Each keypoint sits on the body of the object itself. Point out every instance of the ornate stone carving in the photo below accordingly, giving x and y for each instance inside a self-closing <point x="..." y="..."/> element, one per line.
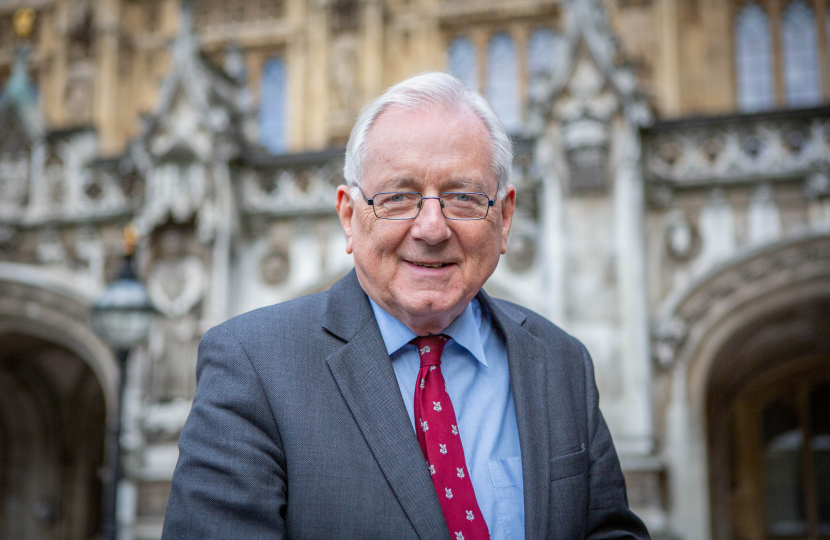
<point x="817" y="184"/>
<point x="78" y="99"/>
<point x="344" y="16"/>
<point x="295" y="188"/>
<point x="213" y="13"/>
<point x="585" y="110"/>
<point x="667" y="336"/>
<point x="50" y="248"/>
<point x="752" y="276"/>
<point x="758" y="147"/>
<point x="54" y="180"/>
<point x="275" y="267"/>
<point x="177" y="280"/>
<point x="522" y="252"/>
<point x="345" y="91"/>
<point x="682" y="238"/>
<point x="15" y="160"/>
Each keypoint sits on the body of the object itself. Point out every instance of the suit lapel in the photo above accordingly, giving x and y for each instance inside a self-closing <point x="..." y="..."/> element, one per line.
<point x="526" y="357"/>
<point x="363" y="373"/>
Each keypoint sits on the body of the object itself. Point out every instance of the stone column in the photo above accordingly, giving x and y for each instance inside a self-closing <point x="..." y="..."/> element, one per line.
<point x="106" y="81"/>
<point x="372" y="49"/>
<point x="296" y="51"/>
<point x="636" y="433"/>
<point x="317" y="96"/>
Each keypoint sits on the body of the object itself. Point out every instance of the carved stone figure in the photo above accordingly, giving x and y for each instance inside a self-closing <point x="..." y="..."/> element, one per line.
<point x="344" y="70"/>
<point x="177" y="282"/>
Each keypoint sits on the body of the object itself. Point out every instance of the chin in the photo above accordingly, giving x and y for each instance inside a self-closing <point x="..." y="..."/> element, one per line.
<point x="431" y="304"/>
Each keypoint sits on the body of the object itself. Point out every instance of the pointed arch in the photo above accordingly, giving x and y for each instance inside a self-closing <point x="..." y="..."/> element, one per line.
<point x="753" y="59"/>
<point x="799" y="49"/>
<point x="273" y="109"/>
<point x="503" y="80"/>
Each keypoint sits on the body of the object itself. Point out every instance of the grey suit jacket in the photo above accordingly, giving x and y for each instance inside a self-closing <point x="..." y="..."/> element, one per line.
<point x="298" y="430"/>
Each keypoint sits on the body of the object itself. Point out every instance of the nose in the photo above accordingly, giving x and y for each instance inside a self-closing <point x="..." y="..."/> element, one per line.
<point x="431" y="226"/>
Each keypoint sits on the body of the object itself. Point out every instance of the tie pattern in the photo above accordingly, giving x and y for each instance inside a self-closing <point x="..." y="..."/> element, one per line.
<point x="441" y="444"/>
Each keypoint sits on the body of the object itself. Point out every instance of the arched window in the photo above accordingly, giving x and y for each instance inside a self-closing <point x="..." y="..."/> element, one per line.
<point x="503" y="80"/>
<point x="799" y="43"/>
<point x="542" y="50"/>
<point x="462" y="61"/>
<point x="753" y="59"/>
<point x="273" y="112"/>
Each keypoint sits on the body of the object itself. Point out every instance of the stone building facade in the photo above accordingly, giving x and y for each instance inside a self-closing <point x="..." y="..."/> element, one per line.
<point x="673" y="212"/>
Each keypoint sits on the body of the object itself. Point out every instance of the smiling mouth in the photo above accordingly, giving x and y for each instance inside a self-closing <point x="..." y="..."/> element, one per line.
<point x="431" y="265"/>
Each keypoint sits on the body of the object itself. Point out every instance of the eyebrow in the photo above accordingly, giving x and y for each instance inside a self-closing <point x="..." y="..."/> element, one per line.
<point x="408" y="182"/>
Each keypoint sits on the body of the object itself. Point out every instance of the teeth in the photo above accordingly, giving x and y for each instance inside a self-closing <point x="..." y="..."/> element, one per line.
<point x="436" y="265"/>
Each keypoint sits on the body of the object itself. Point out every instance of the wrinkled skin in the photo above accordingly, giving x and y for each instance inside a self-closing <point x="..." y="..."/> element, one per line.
<point x="429" y="151"/>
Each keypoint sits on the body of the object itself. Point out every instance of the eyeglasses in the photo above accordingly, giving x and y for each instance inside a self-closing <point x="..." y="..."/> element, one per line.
<point x="408" y="204"/>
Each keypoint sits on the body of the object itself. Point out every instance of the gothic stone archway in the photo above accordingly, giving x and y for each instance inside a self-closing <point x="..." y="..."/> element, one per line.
<point x="52" y="415"/>
<point x="708" y="332"/>
<point x="57" y="392"/>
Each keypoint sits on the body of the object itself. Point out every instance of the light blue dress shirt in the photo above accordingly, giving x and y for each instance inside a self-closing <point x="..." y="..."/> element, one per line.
<point x="474" y="365"/>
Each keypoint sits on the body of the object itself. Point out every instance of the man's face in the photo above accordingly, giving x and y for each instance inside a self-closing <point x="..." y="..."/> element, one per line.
<point x="426" y="270"/>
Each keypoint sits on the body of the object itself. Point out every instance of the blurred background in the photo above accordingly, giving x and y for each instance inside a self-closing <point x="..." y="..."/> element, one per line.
<point x="166" y="165"/>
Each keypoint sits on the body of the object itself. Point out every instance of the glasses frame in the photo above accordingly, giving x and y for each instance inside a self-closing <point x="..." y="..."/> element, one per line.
<point x="370" y="202"/>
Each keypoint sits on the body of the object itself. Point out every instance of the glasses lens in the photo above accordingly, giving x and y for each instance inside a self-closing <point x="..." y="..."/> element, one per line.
<point x="465" y="205"/>
<point x="401" y="205"/>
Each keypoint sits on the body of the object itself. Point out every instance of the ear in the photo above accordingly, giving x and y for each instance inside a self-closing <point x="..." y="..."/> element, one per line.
<point x="508" y="206"/>
<point x="345" y="209"/>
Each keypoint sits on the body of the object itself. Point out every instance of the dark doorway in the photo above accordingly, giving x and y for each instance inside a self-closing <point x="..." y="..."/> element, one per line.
<point x="52" y="417"/>
<point x="769" y="429"/>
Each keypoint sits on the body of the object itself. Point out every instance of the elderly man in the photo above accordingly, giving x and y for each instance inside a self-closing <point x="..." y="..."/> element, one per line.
<point x="404" y="402"/>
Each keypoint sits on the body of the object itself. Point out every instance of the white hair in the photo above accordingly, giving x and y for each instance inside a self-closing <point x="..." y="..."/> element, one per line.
<point x="418" y="93"/>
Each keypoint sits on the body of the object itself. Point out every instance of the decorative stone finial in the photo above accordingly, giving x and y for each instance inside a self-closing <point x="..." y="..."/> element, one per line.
<point x="130" y="238"/>
<point x="23" y="22"/>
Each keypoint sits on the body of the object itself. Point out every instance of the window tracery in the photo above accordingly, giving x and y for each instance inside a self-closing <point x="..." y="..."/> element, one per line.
<point x="503" y="80"/>
<point x="753" y="59"/>
<point x="272" y="106"/>
<point x="799" y="47"/>
<point x="462" y="61"/>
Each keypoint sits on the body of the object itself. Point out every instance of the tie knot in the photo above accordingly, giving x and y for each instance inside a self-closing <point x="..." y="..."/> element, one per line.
<point x="430" y="349"/>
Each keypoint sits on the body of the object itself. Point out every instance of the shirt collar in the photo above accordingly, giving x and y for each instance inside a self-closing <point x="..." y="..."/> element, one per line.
<point x="464" y="330"/>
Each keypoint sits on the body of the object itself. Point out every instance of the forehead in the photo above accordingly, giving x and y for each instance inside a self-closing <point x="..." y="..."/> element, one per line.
<point x="434" y="145"/>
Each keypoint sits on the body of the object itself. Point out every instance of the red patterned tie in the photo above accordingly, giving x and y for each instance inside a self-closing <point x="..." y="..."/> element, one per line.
<point x="441" y="444"/>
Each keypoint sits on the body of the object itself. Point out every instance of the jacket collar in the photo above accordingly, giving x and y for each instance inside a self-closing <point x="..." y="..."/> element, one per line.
<point x="363" y="373"/>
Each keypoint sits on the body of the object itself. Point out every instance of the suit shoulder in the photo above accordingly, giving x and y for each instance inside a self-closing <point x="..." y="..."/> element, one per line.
<point x="303" y="312"/>
<point x="539" y="326"/>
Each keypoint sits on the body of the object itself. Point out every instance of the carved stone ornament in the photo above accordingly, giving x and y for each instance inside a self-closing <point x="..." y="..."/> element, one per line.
<point x="15" y="160"/>
<point x="735" y="150"/>
<point x="755" y="275"/>
<point x="682" y="238"/>
<point x="522" y="252"/>
<point x="667" y="337"/>
<point x="585" y="112"/>
<point x="290" y="191"/>
<point x="177" y="280"/>
<point x="8" y="238"/>
<point x="817" y="185"/>
<point x="275" y="267"/>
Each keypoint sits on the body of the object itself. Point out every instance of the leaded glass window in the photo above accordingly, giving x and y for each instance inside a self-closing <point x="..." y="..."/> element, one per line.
<point x="462" y="61"/>
<point x="503" y="80"/>
<point x="753" y="59"/>
<point x="799" y="42"/>
<point x="783" y="473"/>
<point x="273" y="111"/>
